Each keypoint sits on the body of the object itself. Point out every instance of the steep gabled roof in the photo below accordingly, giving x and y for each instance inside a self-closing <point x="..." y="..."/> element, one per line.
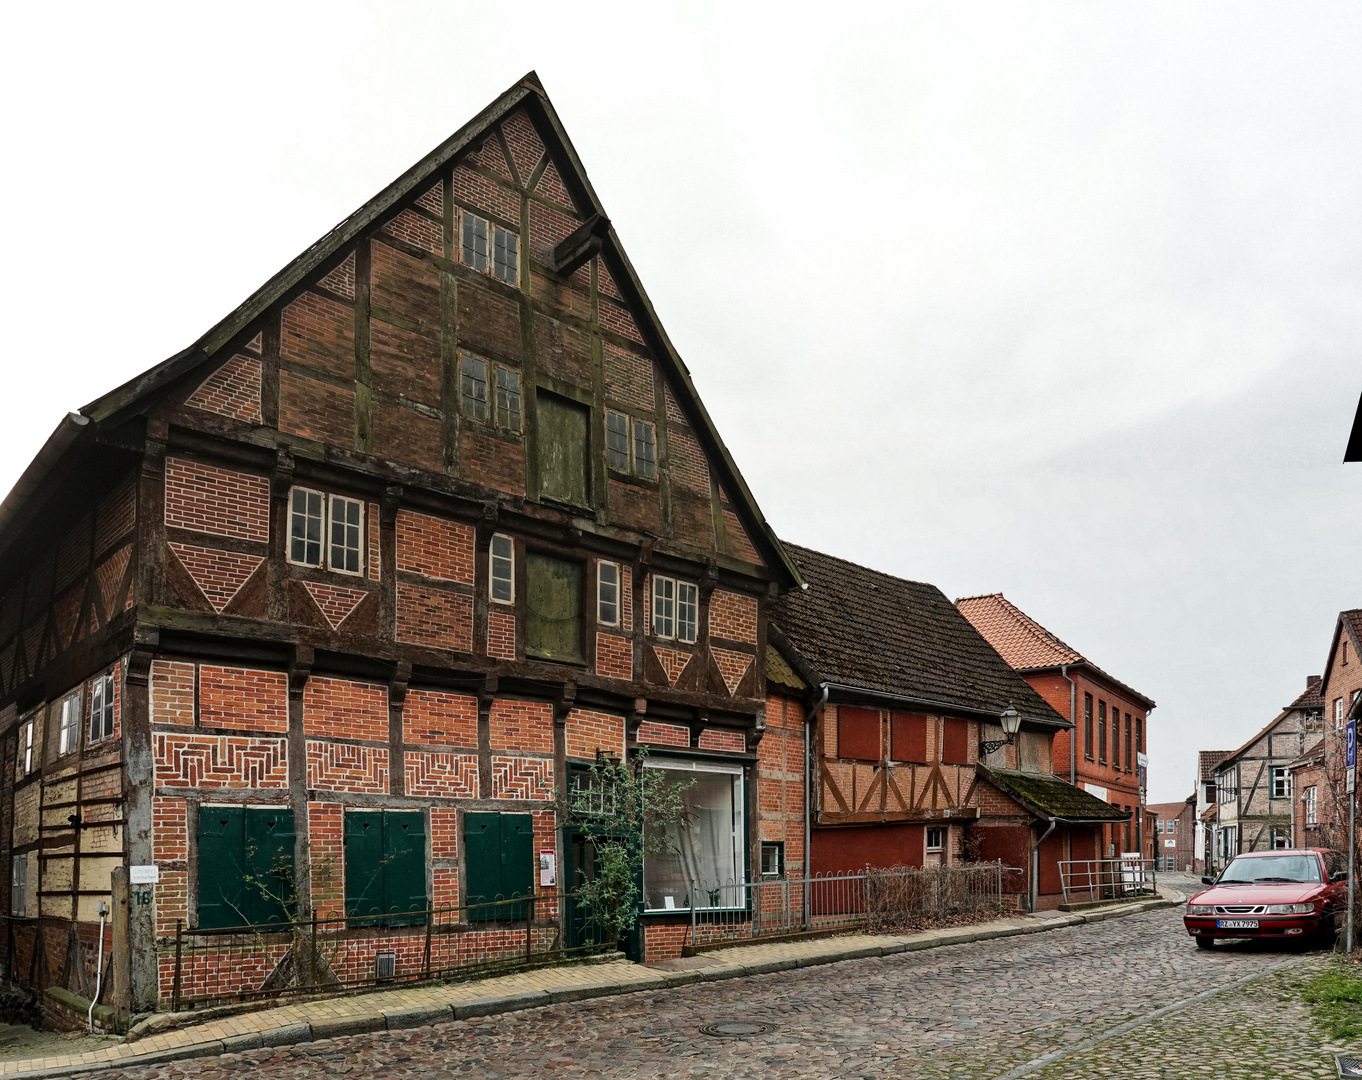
<point x="1349" y="622"/>
<point x="1312" y="697"/>
<point x="868" y="630"/>
<point x="1311" y="694"/>
<point x="1027" y="645"/>
<point x="1049" y="796"/>
<point x="139" y="393"/>
<point x="1207" y="760"/>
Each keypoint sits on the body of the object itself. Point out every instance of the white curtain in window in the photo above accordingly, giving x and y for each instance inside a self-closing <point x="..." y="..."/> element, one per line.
<point x="706" y="850"/>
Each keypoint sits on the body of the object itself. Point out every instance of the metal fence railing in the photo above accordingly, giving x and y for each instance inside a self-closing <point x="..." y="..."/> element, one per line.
<point x="1093" y="880"/>
<point x="319" y="955"/>
<point x="876" y="900"/>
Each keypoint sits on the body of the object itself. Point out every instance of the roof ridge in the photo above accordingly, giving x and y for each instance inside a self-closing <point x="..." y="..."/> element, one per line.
<point x="862" y="566"/>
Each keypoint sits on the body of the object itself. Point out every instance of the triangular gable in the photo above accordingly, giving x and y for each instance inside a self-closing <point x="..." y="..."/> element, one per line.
<point x="518" y="131"/>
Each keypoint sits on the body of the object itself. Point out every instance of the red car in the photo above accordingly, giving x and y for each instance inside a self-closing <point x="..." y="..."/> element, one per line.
<point x="1272" y="894"/>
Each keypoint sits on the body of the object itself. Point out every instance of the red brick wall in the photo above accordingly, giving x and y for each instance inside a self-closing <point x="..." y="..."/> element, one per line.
<point x="733" y="616"/>
<point x="232" y="390"/>
<point x="501" y="634"/>
<point x="663" y="734"/>
<point x="344" y="709"/>
<point x="435" y="617"/>
<point x="434" y="547"/>
<point x="614" y="656"/>
<point x="243" y="698"/>
<point x="431" y="774"/>
<point x="210" y="499"/>
<point x="340" y="767"/>
<point x="172" y="693"/>
<point x="521" y="725"/>
<point x="522" y="778"/>
<point x="663" y="941"/>
<point x="326" y="849"/>
<point x="430" y="716"/>
<point x="223" y="761"/>
<point x="588" y="730"/>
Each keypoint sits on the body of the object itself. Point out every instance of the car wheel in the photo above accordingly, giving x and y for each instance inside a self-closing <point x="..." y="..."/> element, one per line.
<point x="1205" y="942"/>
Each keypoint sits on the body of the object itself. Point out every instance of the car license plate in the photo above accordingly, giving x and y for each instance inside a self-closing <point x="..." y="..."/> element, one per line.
<point x="1236" y="924"/>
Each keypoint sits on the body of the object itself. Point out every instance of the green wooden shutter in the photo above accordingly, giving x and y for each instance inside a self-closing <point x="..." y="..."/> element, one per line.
<point x="482" y="862"/>
<point x="517" y="861"/>
<point x="404" y="865"/>
<point x="562" y="438"/>
<point x="269" y="856"/>
<point x="363" y="855"/>
<point x="553" y="606"/>
<point x="222" y="847"/>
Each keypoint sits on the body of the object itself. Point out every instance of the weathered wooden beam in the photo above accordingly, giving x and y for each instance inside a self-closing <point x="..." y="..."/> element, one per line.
<point x="581" y="245"/>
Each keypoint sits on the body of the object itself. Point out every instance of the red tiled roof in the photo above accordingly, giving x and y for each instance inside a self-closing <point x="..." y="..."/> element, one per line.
<point x="1166" y="809"/>
<point x="1207" y="760"/>
<point x="1312" y="698"/>
<point x="1023" y="642"/>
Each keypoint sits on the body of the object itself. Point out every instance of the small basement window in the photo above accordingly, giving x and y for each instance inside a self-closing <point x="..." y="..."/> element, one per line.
<point x="936" y="839"/>
<point x="772" y="858"/>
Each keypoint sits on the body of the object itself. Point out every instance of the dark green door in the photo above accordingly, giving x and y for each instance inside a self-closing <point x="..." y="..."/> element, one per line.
<point x="245" y="866"/>
<point x="385" y="866"/>
<point x="499" y="862"/>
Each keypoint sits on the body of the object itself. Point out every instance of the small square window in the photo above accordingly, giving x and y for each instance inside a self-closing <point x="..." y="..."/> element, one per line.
<point x="474" y="384"/>
<point x="502" y="589"/>
<point x="772" y="858"/>
<point x="505" y="255"/>
<point x="473" y="248"/>
<point x="102" y="709"/>
<point x="347" y="521"/>
<point x="687" y="611"/>
<point x="508" y="399"/>
<point x="68" y="733"/>
<point x="664" y="607"/>
<point x="645" y="449"/>
<point x="936" y="839"/>
<point x="608" y="593"/>
<point x="305" y="527"/>
<point x="617" y="440"/>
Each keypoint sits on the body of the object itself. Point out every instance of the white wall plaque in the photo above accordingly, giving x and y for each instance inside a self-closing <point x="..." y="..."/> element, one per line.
<point x="144" y="875"/>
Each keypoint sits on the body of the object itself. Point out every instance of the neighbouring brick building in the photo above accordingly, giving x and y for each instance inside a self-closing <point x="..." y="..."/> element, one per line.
<point x="901" y="693"/>
<point x="359" y="579"/>
<point x="1338" y="692"/>
<point x="1309" y="788"/>
<point x="1204" y="841"/>
<point x="1253" y="805"/>
<point x="1174" y="832"/>
<point x="1105" y="742"/>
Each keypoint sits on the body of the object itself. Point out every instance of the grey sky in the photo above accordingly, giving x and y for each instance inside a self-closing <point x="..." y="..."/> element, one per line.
<point x="1056" y="300"/>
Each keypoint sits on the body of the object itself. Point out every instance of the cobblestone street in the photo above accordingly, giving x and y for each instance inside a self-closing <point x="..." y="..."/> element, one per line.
<point x="988" y="1009"/>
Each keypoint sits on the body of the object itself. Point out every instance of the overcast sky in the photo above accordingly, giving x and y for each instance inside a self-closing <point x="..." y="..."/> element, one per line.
<point x="1057" y="300"/>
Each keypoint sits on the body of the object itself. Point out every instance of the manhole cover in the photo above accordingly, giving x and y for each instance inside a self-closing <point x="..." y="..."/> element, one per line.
<point x="736" y="1029"/>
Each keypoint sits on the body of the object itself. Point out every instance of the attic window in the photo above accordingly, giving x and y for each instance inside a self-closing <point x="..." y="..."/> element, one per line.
<point x="312" y="516"/>
<point x="473" y="249"/>
<point x="489" y="248"/>
<point x="630" y="444"/>
<point x="505" y="255"/>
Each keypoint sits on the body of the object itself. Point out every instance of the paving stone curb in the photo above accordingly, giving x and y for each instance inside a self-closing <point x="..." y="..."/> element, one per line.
<point x="396" y="1018"/>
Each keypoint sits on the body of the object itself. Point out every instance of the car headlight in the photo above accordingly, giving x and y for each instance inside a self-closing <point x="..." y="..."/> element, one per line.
<point x="1290" y="909"/>
<point x="1200" y="909"/>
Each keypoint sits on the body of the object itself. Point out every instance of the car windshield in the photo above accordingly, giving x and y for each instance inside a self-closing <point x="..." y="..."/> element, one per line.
<point x="1266" y="869"/>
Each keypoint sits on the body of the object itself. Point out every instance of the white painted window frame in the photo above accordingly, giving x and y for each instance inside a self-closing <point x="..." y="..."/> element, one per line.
<point x="501" y="560"/>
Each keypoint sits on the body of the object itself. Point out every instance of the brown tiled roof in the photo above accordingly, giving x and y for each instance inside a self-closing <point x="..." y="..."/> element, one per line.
<point x="1312" y="698"/>
<point x="1024" y="643"/>
<point x="862" y="628"/>
<point x="1311" y="756"/>
<point x="1207" y="760"/>
<point x="1167" y="809"/>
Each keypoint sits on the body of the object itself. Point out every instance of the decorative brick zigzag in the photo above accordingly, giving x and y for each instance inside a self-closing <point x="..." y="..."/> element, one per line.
<point x="222" y="761"/>
<point x="522" y="778"/>
<point x="673" y="662"/>
<point x="218" y="574"/>
<point x="732" y="666"/>
<point x="336" y="603"/>
<point x="451" y="776"/>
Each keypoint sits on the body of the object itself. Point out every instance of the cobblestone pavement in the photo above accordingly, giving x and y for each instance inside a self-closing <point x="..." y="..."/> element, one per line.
<point x="988" y="1009"/>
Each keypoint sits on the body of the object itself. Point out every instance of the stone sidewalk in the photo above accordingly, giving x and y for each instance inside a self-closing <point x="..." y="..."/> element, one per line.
<point x="359" y="1013"/>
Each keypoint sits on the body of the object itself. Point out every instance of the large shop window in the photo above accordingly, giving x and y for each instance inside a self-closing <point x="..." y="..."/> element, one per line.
<point x="553" y="608"/>
<point x="385" y="866"/>
<point x="245" y="865"/>
<point x="706" y="859"/>
<point x="498" y="852"/>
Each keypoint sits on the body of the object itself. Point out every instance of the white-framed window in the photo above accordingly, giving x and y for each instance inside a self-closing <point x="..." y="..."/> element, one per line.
<point x="1308" y="797"/>
<point x="676" y="609"/>
<point x="703" y="863"/>
<point x="1158" y="826"/>
<point x="1280" y="840"/>
<point x="608" y="593"/>
<point x="326" y="531"/>
<point x="501" y="579"/>
<point x="936" y="839"/>
<point x="306" y="509"/>
<point x="347" y="531"/>
<point x="687" y="611"/>
<point x="1338" y="714"/>
<point x="487" y="247"/>
<point x="1281" y="782"/>
<point x="18" y="884"/>
<point x="631" y="444"/>
<point x="68" y="730"/>
<point x="664" y="607"/>
<point x="772" y="858"/>
<point x="26" y="735"/>
<point x="102" y="708"/>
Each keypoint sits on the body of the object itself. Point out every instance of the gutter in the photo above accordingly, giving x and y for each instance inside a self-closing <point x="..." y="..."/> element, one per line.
<point x="809" y="718"/>
<point x="41" y="467"/>
<point x="1073" y="724"/>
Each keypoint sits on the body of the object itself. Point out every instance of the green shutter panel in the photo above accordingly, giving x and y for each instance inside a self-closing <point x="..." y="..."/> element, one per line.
<point x="269" y="889"/>
<point x="222" y="846"/>
<point x="363" y="855"/>
<point x="517" y="861"/>
<point x="482" y="861"/>
<point x="404" y="864"/>
<point x="553" y="604"/>
<point x="562" y="438"/>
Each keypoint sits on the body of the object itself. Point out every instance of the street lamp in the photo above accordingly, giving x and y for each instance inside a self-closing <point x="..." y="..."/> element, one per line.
<point x="1011" y="721"/>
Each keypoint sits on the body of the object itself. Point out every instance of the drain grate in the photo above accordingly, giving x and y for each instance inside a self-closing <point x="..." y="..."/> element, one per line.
<point x="738" y="1029"/>
<point x="1348" y="1066"/>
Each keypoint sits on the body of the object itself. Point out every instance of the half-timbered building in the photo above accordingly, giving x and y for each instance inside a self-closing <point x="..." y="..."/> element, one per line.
<point x="909" y="764"/>
<point x="353" y="583"/>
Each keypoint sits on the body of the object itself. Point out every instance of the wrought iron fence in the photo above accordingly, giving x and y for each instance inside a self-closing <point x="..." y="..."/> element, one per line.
<point x="1094" y="880"/>
<point x="246" y="963"/>
<point x="878" y="900"/>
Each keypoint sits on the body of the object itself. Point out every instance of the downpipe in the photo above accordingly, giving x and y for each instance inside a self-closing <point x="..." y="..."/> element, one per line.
<point x="1073" y="724"/>
<point x="809" y="718"/>
<point x="103" y="910"/>
<point x="1034" y="892"/>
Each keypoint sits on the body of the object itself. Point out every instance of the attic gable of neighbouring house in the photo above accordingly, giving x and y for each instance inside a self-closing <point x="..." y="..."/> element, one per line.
<point x="351" y="333"/>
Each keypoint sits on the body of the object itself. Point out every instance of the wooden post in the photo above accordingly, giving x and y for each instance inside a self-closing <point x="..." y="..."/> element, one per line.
<point x="121" y="920"/>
